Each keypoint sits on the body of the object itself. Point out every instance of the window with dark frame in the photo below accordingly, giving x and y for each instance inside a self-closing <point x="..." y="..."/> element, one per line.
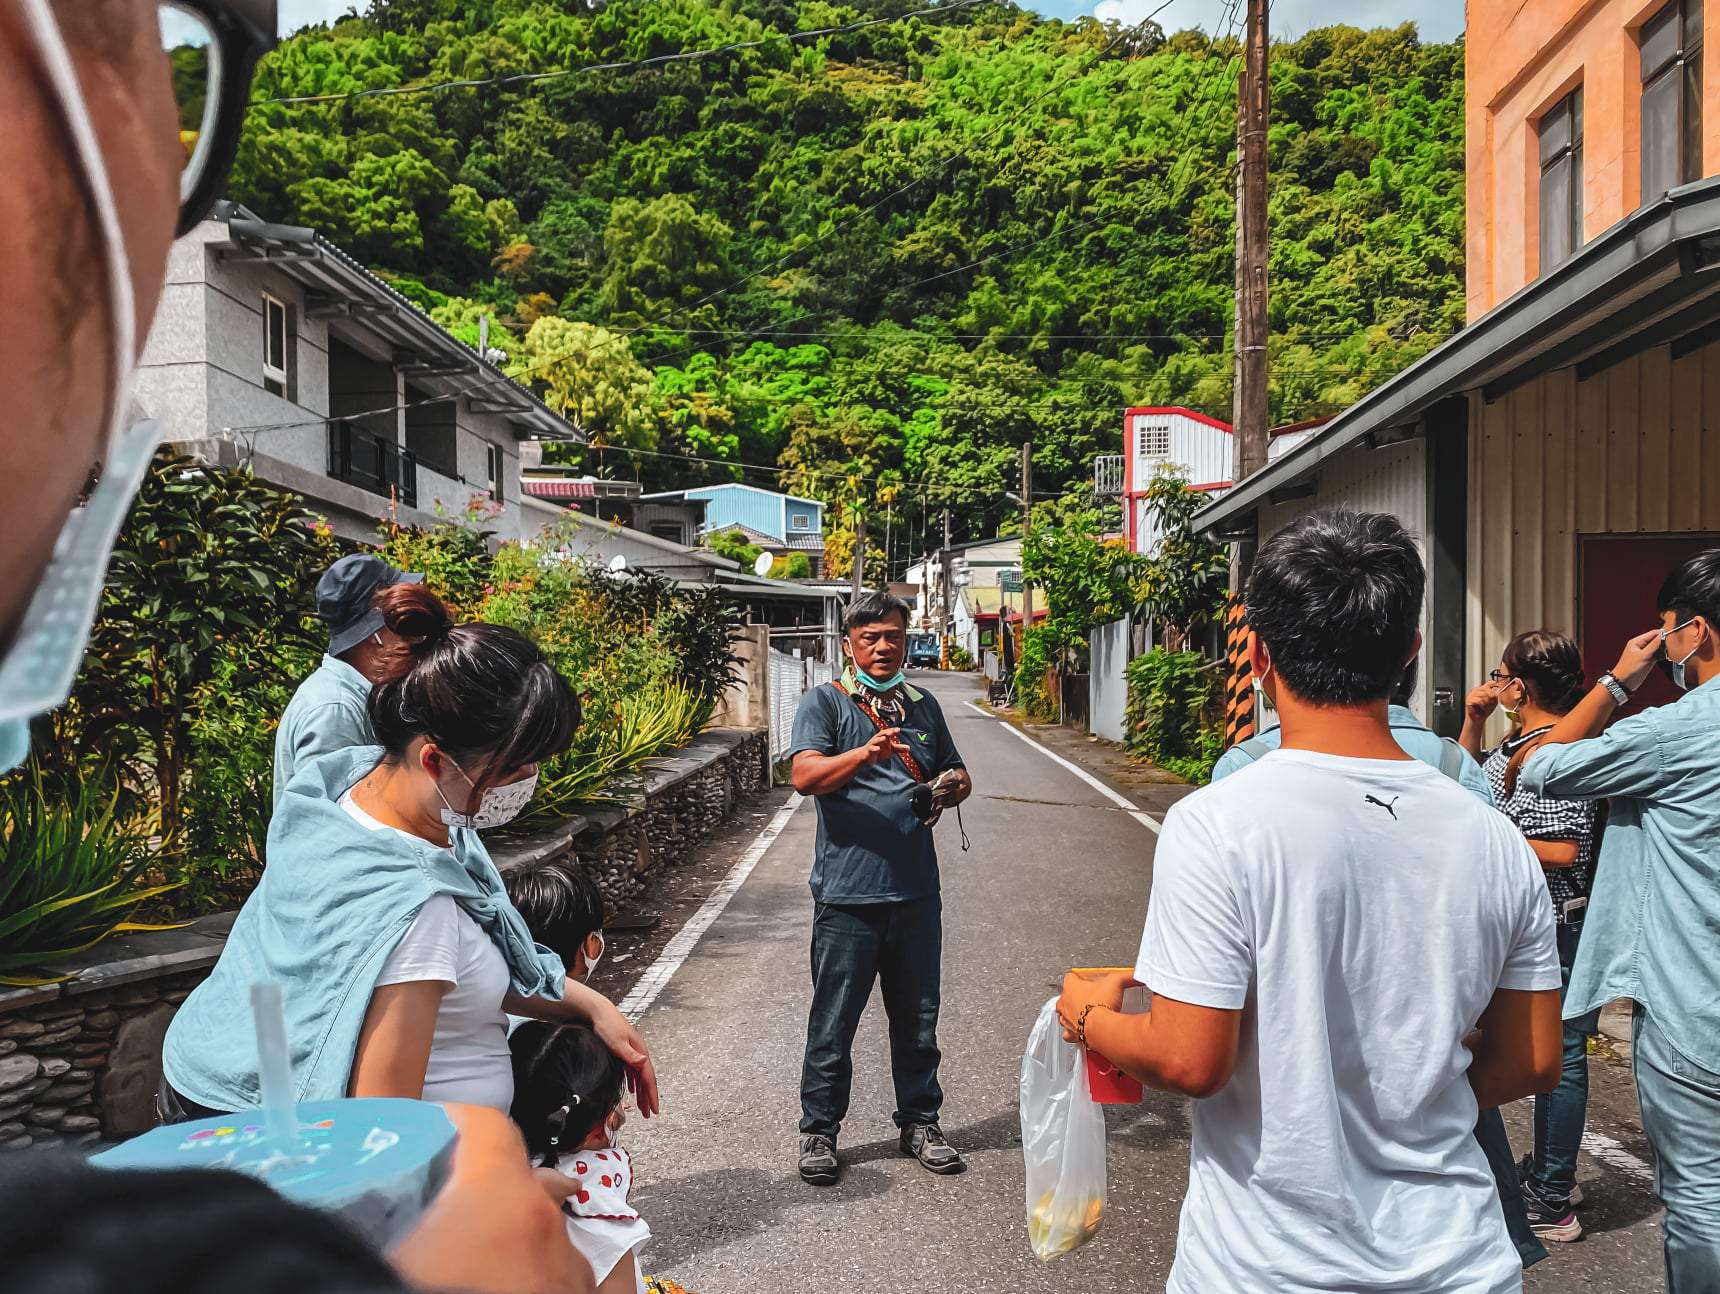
<point x="1561" y="140"/>
<point x="1671" y="109"/>
<point x="274" y="346"/>
<point x="493" y="470"/>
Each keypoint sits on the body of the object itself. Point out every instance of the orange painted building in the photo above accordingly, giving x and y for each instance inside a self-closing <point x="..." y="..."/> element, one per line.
<point x="1578" y="113"/>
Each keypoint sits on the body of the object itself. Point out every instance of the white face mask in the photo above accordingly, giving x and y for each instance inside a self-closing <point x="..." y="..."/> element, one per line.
<point x="591" y="962"/>
<point x="498" y="805"/>
<point x="1675" y="669"/>
<point x="38" y="669"/>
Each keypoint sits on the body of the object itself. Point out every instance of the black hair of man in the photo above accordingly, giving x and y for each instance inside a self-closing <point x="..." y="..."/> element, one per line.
<point x="871" y="607"/>
<point x="67" y="1227"/>
<point x="1405" y="688"/>
<point x="1336" y="597"/>
<point x="1693" y="588"/>
<point x="561" y="904"/>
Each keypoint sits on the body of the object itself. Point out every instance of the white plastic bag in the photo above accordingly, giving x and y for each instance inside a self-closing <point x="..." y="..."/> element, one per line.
<point x="1062" y="1140"/>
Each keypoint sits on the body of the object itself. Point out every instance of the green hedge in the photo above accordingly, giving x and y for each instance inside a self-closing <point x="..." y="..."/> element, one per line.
<point x="1171" y="716"/>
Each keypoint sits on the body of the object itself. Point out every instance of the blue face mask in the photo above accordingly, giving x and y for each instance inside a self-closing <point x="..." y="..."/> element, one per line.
<point x="867" y="681"/>
<point x="37" y="670"/>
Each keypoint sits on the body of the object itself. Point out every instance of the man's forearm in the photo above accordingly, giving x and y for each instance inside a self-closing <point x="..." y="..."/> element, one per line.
<point x="815" y="774"/>
<point x="1587" y="718"/>
<point x="1133" y="1044"/>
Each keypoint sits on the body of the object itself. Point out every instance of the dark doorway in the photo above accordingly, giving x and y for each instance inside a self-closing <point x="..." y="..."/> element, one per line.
<point x="1618" y="577"/>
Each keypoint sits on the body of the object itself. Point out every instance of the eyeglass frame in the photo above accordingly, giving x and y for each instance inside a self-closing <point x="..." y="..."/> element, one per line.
<point x="242" y="31"/>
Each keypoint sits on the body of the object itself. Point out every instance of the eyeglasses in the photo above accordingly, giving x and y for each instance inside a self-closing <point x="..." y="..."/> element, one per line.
<point x="1667" y="633"/>
<point x="1500" y="676"/>
<point x="212" y="47"/>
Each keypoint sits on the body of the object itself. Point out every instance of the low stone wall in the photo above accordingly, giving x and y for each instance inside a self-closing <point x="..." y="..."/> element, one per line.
<point x="80" y="1061"/>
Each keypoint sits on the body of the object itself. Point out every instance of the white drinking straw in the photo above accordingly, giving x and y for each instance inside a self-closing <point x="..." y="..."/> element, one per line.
<point x="274" y="1069"/>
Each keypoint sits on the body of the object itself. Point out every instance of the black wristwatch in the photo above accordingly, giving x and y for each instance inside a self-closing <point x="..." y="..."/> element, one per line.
<point x="1617" y="690"/>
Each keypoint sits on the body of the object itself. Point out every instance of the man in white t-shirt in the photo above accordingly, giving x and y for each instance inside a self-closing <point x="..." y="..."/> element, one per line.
<point x="1348" y="956"/>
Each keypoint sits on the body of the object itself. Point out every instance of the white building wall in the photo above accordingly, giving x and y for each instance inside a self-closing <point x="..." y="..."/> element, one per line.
<point x="1198" y="451"/>
<point x="1391" y="480"/>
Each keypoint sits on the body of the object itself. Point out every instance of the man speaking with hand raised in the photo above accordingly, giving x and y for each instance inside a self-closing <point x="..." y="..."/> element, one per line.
<point x="877" y="755"/>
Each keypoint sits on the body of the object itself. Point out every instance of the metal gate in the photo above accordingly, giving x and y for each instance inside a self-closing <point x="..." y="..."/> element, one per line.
<point x="790" y="679"/>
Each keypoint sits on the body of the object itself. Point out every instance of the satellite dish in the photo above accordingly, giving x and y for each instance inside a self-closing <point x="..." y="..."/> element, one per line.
<point x="763" y="564"/>
<point x="618" y="563"/>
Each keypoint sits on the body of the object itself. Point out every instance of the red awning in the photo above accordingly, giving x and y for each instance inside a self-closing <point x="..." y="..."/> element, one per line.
<point x="559" y="489"/>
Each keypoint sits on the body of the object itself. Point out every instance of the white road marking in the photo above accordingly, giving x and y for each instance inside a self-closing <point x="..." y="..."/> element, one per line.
<point x="1135" y="811"/>
<point x="1613" y="1155"/>
<point x="676" y="951"/>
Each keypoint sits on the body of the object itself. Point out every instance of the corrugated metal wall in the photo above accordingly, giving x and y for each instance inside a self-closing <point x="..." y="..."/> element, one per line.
<point x="756" y="509"/>
<point x="1633" y="450"/>
<point x="1391" y="480"/>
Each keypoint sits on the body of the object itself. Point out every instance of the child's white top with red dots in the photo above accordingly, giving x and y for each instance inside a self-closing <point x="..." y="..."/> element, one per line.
<point x="601" y="1220"/>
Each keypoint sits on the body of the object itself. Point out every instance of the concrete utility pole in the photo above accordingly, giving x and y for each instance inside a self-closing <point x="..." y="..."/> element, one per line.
<point x="944" y="582"/>
<point x="859" y="553"/>
<point x="1251" y="411"/>
<point x="1026" y="530"/>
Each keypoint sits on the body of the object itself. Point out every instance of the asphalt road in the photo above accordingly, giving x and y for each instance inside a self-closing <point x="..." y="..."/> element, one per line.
<point x="1058" y="875"/>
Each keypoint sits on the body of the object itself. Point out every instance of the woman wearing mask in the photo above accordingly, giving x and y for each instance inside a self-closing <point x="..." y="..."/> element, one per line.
<point x="1539" y="680"/>
<point x="380" y="913"/>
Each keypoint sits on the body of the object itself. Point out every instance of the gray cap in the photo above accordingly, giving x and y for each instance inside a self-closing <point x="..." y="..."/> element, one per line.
<point x="344" y="593"/>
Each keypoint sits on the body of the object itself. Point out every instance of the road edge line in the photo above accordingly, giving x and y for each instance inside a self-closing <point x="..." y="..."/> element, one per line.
<point x="657" y="976"/>
<point x="1135" y="811"/>
<point x="1609" y="1152"/>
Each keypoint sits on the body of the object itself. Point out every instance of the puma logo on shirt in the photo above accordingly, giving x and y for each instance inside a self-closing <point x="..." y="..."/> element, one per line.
<point x="1371" y="799"/>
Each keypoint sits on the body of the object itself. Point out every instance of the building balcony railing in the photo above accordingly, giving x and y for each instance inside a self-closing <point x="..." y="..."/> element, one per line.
<point x="371" y="462"/>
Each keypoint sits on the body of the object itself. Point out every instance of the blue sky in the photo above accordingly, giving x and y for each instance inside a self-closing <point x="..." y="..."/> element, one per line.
<point x="1438" y="19"/>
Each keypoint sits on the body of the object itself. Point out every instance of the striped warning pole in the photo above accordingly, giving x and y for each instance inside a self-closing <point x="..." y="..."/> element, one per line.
<point x="1238" y="675"/>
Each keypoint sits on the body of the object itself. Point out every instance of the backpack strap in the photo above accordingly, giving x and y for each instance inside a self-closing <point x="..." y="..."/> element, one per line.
<point x="1452" y="758"/>
<point x="1254" y="748"/>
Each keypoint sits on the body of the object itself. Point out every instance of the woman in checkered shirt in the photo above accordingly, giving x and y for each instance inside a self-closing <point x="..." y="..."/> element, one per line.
<point x="1539" y="679"/>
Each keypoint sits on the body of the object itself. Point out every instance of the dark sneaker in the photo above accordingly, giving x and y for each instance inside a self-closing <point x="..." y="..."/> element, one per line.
<point x="818" y="1162"/>
<point x="1555" y="1224"/>
<point x="925" y="1142"/>
<point x="1525" y="1171"/>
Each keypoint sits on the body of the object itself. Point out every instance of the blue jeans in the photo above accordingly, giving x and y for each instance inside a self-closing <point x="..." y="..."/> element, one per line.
<point x="1496" y="1145"/>
<point x="1560" y="1114"/>
<point x="1681" y="1117"/>
<point x="900" y="945"/>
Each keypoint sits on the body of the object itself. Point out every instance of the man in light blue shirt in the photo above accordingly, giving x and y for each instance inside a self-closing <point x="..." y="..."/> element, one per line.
<point x="329" y="711"/>
<point x="1653" y="927"/>
<point x="1417" y="739"/>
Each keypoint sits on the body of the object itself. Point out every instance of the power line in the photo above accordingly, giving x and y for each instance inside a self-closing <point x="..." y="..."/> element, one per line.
<point x="522" y="79"/>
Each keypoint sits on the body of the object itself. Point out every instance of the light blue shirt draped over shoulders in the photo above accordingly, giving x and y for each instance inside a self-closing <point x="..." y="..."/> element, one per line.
<point x="1652" y="930"/>
<point x="1417" y="739"/>
<point x="328" y="712"/>
<point x="334" y="900"/>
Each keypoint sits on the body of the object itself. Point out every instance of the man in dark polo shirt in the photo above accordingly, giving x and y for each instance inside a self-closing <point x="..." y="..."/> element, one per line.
<point x="862" y="746"/>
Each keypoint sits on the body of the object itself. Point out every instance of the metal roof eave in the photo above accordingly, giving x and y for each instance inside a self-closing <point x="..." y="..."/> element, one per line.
<point x="1677" y="236"/>
<point x="310" y="259"/>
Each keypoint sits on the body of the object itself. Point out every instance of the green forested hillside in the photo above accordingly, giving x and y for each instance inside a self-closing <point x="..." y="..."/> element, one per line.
<point x="883" y="258"/>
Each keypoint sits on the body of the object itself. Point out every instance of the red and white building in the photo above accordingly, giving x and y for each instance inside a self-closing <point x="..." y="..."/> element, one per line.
<point x="1181" y="442"/>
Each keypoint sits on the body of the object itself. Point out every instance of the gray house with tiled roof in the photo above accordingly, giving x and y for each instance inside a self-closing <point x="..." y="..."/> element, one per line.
<point x="272" y="346"/>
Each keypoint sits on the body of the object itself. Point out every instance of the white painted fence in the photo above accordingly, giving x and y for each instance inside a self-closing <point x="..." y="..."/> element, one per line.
<point x="791" y="678"/>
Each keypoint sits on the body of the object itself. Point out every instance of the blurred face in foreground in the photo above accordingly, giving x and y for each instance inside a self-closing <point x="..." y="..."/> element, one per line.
<point x="58" y="334"/>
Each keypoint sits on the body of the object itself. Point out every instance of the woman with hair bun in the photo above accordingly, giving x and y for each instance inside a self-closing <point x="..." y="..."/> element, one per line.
<point x="1538" y="681"/>
<point x="380" y="912"/>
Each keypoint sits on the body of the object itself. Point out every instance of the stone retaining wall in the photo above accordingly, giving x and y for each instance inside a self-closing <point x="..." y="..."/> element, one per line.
<point x="80" y="1061"/>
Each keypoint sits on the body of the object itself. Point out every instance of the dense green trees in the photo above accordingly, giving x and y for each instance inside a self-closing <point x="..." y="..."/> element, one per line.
<point x="878" y="260"/>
